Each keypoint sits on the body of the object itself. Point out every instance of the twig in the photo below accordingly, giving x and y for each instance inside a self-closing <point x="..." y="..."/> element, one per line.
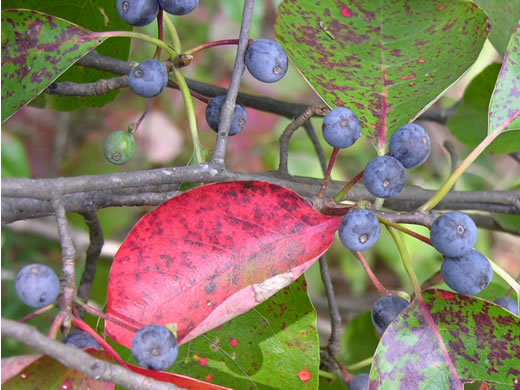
<point x="79" y="360"/>
<point x="292" y="127"/>
<point x="309" y="129"/>
<point x="100" y="87"/>
<point x="226" y="114"/>
<point x="334" y="345"/>
<point x="68" y="255"/>
<point x="94" y="250"/>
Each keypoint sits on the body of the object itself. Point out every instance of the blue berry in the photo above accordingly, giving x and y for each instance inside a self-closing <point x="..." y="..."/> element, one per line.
<point x="384" y="177"/>
<point x="341" y="128"/>
<point x="37" y="285"/>
<point x="213" y="115"/>
<point x="266" y="60"/>
<point x="359" y="230"/>
<point x="360" y="382"/>
<point x="119" y="147"/>
<point x="508" y="304"/>
<point x="178" y="7"/>
<point x="81" y="339"/>
<point x="385" y="310"/>
<point x="468" y="274"/>
<point x="411" y="145"/>
<point x="148" y="79"/>
<point x="453" y="234"/>
<point x="138" y="12"/>
<point x="155" y="347"/>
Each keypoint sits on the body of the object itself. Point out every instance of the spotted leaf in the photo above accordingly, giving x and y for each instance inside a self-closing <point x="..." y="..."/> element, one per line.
<point x="36" y="49"/>
<point x="480" y="341"/>
<point x="210" y="254"/>
<point x="386" y="60"/>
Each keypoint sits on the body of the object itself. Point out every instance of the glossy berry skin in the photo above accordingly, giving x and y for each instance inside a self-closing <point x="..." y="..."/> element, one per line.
<point x="266" y="60"/>
<point x="213" y="115"/>
<point x="119" y="147"/>
<point x="81" y="339"/>
<point x="468" y="274"/>
<point x="148" y="79"/>
<point x="178" y="7"/>
<point x="385" y="310"/>
<point x="360" y="382"/>
<point x="453" y="234"/>
<point x="411" y="145"/>
<point x="137" y="12"/>
<point x="508" y="304"/>
<point x="37" y="285"/>
<point x="384" y="177"/>
<point x="155" y="347"/>
<point x="359" y="230"/>
<point x="341" y="128"/>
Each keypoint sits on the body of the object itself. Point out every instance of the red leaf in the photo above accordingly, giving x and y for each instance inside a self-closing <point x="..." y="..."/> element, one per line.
<point x="211" y="254"/>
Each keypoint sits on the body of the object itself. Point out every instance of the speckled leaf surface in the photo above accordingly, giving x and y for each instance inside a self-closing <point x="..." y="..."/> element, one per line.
<point x="504" y="109"/>
<point x="386" y="60"/>
<point x="47" y="373"/>
<point x="212" y="253"/>
<point x="36" y="49"/>
<point x="94" y="15"/>
<point x="469" y="124"/>
<point x="503" y="17"/>
<point x="273" y="346"/>
<point x="480" y="341"/>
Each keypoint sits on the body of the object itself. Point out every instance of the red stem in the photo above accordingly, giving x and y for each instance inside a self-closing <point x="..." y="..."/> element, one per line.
<point x="378" y="285"/>
<point x="160" y="34"/>
<point x="222" y="42"/>
<point x="340" y="195"/>
<point x="107" y="317"/>
<point x="86" y="328"/>
<point x="329" y="170"/>
<point x="146" y="110"/>
<point x="36" y="313"/>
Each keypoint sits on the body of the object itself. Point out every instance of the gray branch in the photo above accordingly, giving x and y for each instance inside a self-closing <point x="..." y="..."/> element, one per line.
<point x="79" y="360"/>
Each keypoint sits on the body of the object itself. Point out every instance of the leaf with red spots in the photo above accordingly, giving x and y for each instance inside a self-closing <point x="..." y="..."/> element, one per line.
<point x="386" y="60"/>
<point x="36" y="375"/>
<point x="480" y="341"/>
<point x="273" y="346"/>
<point x="504" y="108"/>
<point x="36" y="49"/>
<point x="210" y="254"/>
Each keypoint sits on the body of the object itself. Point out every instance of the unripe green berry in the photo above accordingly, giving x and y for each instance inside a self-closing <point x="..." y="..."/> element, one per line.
<point x="119" y="147"/>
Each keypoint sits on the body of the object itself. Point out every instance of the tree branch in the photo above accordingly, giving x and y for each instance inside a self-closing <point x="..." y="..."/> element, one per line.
<point x="226" y="114"/>
<point x="79" y="360"/>
<point x="100" y="87"/>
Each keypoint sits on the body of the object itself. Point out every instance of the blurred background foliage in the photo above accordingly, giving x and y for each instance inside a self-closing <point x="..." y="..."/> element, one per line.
<point x="38" y="143"/>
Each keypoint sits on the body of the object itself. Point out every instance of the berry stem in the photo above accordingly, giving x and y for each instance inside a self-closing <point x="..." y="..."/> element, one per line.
<point x="508" y="278"/>
<point x="38" y="312"/>
<point x="450" y="181"/>
<point x="329" y="170"/>
<point x="176" y="42"/>
<point x="340" y="195"/>
<point x="106" y="316"/>
<point x="130" y="34"/>
<point x="196" y="95"/>
<point x="208" y="45"/>
<point x="326" y="374"/>
<point x="146" y="110"/>
<point x="397" y="226"/>
<point x="160" y="33"/>
<point x="405" y="258"/>
<point x="360" y="364"/>
<point x="375" y="281"/>
<point x="192" y="120"/>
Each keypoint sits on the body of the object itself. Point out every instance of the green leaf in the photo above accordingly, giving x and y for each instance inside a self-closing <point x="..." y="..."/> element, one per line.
<point x="94" y="15"/>
<point x="36" y="49"/>
<point x="503" y="17"/>
<point x="469" y="124"/>
<point x="388" y="61"/>
<point x="14" y="158"/>
<point x="352" y="350"/>
<point x="273" y="346"/>
<point x="482" y="342"/>
<point x="504" y="109"/>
